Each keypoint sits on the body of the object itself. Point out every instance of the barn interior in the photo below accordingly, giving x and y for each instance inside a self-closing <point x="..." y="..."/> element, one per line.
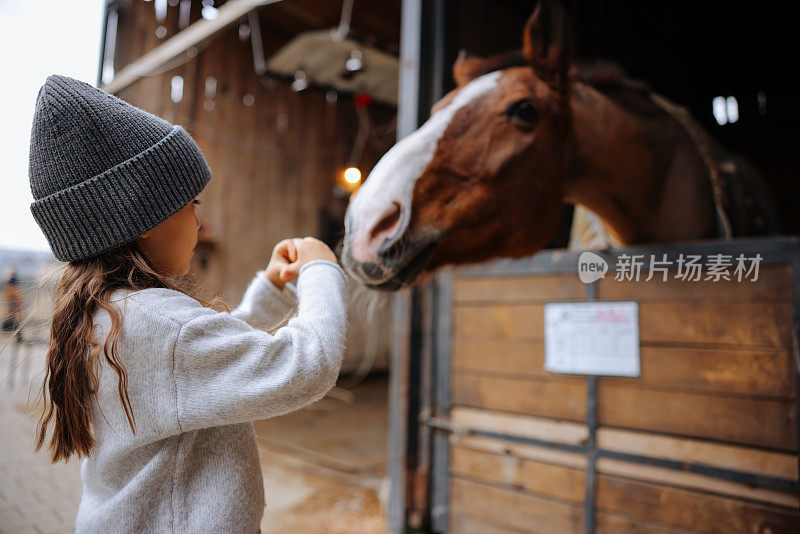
<point x="270" y="100"/>
<point x="279" y="129"/>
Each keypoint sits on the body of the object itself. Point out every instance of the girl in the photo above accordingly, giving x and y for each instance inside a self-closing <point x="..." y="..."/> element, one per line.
<point x="154" y="388"/>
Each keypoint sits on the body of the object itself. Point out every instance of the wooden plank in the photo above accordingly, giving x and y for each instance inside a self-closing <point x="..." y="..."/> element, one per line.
<point x="518" y="288"/>
<point x="691" y="509"/>
<point x="749" y="323"/>
<point x="509" y="356"/>
<point x="464" y="524"/>
<point x="530" y="475"/>
<point x="760" y="422"/>
<point x="610" y="523"/>
<point x="775" y="250"/>
<point x="520" y="425"/>
<point x="696" y="481"/>
<point x="193" y="35"/>
<point x="774" y="282"/>
<point x="526" y="451"/>
<point x="754" y="323"/>
<point x="756" y="461"/>
<point x="732" y="370"/>
<point x="513" y="509"/>
<point x="525" y="321"/>
<point x="557" y="397"/>
<point x="751" y="371"/>
<point x="240" y="197"/>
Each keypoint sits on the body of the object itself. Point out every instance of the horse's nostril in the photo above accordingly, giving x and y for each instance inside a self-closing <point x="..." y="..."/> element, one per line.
<point x="387" y="222"/>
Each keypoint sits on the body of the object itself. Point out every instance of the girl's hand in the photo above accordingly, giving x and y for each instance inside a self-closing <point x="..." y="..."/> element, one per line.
<point x="283" y="255"/>
<point x="289" y="256"/>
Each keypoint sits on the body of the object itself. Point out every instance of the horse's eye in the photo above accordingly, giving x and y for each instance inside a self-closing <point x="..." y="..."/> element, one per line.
<point x="523" y="112"/>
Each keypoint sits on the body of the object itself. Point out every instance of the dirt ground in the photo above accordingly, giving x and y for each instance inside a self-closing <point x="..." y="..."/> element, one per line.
<point x="323" y="467"/>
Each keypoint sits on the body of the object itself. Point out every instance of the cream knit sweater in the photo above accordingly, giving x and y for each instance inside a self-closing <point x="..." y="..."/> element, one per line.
<point x="197" y="379"/>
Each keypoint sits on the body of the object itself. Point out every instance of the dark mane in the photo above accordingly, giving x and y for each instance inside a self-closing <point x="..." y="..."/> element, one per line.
<point x="505" y="60"/>
<point x="599" y="73"/>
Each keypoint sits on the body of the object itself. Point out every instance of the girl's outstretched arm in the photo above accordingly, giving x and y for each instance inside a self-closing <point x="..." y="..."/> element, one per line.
<point x="228" y="372"/>
<point x="263" y="304"/>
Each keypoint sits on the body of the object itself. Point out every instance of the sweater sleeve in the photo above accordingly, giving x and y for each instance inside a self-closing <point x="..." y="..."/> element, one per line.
<point x="228" y="372"/>
<point x="263" y="304"/>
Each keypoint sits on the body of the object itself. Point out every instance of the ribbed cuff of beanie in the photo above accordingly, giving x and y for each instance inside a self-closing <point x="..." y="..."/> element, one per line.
<point x="122" y="203"/>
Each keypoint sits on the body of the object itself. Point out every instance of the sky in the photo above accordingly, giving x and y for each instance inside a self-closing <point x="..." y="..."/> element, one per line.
<point x="37" y="38"/>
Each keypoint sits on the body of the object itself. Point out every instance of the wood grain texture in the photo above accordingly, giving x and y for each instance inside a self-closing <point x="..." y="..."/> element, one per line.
<point x="518" y="289"/>
<point x="691" y="509"/>
<point x="521" y="322"/>
<point x="464" y="524"/>
<point x="758" y="324"/>
<point x="747" y="324"/>
<point x="731" y="370"/>
<point x="774" y="283"/>
<point x="527" y="451"/>
<point x="718" y="388"/>
<point x="748" y="421"/>
<point x="721" y="455"/>
<point x="660" y="475"/>
<point x="557" y="397"/>
<point x="519" y="425"/>
<point x="613" y="523"/>
<point x="520" y="473"/>
<point x="513" y="509"/>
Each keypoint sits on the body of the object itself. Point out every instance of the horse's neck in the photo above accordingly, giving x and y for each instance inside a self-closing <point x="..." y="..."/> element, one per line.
<point x="637" y="169"/>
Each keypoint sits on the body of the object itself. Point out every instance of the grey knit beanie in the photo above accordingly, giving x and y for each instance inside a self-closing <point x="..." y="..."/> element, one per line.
<point x="102" y="171"/>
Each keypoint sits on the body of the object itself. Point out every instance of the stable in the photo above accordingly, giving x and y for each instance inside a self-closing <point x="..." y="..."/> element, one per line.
<point x="500" y="422"/>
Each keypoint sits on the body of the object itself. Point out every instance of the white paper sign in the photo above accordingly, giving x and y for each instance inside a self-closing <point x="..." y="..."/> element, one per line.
<point x="592" y="338"/>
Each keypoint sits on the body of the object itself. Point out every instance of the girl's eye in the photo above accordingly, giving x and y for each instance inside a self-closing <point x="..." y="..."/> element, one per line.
<point x="195" y="202"/>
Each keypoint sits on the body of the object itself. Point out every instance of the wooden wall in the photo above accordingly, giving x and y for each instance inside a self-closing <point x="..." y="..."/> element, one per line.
<point x="274" y="162"/>
<point x="718" y="389"/>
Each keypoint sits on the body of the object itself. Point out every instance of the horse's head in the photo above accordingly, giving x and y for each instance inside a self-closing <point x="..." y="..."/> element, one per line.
<point x="482" y="177"/>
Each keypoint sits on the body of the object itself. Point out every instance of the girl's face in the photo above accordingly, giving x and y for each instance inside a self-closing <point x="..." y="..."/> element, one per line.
<point x="169" y="247"/>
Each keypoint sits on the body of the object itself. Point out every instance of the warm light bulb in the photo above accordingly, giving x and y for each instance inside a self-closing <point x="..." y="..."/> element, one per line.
<point x="352" y="175"/>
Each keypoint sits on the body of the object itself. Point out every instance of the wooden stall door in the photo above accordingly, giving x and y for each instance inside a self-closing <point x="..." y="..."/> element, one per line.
<point x="705" y="440"/>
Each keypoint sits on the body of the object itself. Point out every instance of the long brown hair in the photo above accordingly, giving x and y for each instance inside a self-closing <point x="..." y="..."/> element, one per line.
<point x="73" y="355"/>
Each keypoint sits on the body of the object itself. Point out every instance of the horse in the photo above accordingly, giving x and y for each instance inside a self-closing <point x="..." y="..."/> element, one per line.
<point x="526" y="132"/>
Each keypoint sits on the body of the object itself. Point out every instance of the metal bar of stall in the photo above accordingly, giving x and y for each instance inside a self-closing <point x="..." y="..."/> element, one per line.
<point x="103" y="37"/>
<point x="591" y="441"/>
<point x="418" y="510"/>
<point x="408" y="77"/>
<point x="796" y="346"/>
<point x="407" y="117"/>
<point x="440" y="492"/>
<point x="780" y="484"/>
<point x="430" y="90"/>
<point x="398" y="382"/>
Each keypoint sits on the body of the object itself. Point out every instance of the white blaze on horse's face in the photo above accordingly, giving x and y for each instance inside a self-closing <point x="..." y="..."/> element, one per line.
<point x="391" y="182"/>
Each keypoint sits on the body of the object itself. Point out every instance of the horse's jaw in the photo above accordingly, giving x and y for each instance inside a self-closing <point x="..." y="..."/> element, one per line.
<point x="410" y="272"/>
<point x="413" y="258"/>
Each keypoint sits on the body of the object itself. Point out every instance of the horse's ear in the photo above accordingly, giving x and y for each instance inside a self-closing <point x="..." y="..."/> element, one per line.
<point x="466" y="67"/>
<point x="548" y="43"/>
